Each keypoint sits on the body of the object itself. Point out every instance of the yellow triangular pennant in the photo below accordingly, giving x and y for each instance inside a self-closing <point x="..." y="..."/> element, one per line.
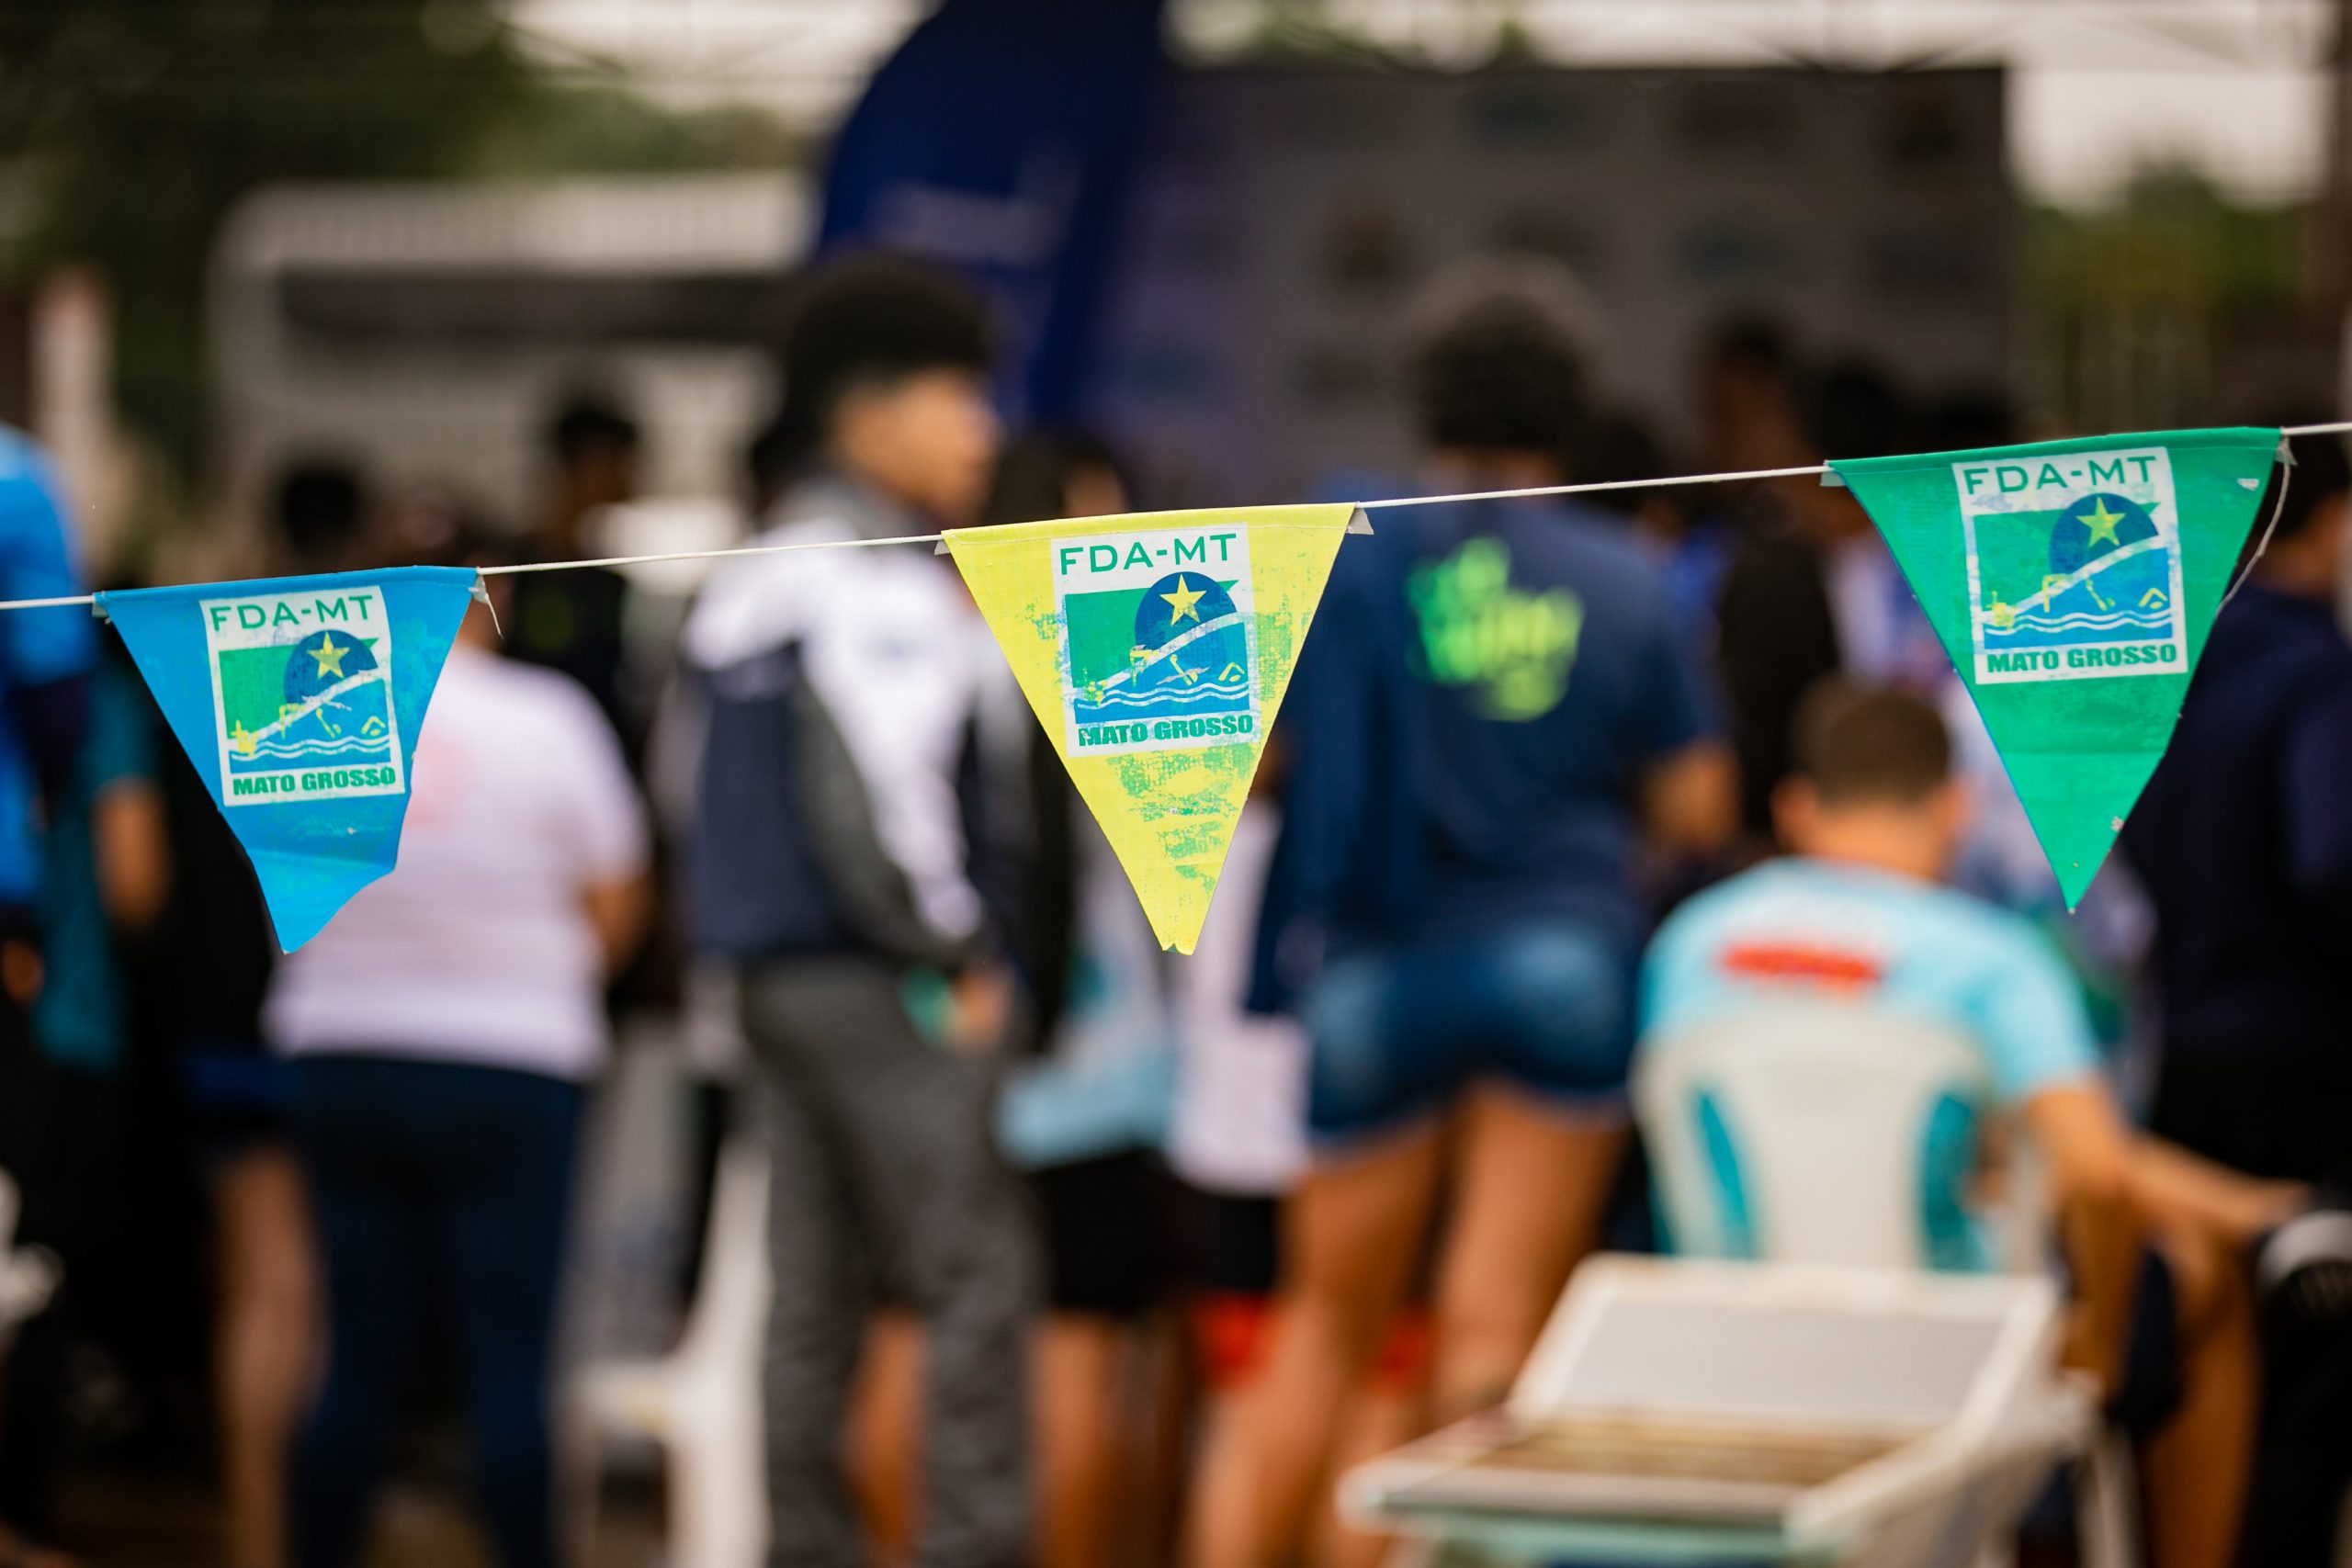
<point x="1155" y="648"/>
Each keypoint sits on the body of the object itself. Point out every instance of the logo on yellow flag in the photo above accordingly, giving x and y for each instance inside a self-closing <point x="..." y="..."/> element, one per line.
<point x="1155" y="649"/>
<point x="1157" y="658"/>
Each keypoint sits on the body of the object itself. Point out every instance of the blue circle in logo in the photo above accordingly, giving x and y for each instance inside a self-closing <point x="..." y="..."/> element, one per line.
<point x="2096" y="525"/>
<point x="326" y="659"/>
<point x="1177" y="603"/>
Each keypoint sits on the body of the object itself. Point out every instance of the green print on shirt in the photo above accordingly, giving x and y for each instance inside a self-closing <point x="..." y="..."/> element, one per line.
<point x="1477" y="630"/>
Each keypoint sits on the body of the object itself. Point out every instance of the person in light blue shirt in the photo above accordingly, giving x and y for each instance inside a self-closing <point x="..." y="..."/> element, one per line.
<point x="2155" y="1239"/>
<point x="1910" y="947"/>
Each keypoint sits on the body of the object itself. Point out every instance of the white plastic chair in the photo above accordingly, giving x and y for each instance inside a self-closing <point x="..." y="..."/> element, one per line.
<point x="1824" y="1113"/>
<point x="701" y="1402"/>
<point x="29" y="1275"/>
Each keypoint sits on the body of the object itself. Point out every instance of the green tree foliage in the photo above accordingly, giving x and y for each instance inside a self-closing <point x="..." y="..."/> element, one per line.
<point x="2174" y="237"/>
<point x="2132" y="310"/>
<point x="140" y="123"/>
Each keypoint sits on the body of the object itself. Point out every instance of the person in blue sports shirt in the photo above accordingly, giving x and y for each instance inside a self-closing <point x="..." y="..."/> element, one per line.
<point x="1855" y="917"/>
<point x="46" y="660"/>
<point x="1495" y="712"/>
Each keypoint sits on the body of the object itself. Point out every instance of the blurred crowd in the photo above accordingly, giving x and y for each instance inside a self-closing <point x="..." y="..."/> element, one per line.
<point x="1083" y="1254"/>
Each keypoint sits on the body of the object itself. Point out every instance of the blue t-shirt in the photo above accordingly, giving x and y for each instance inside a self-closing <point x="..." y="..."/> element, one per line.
<point x="1484" y="687"/>
<point x="2243" y="840"/>
<point x="78" y="1017"/>
<point x="1820" y="930"/>
<point x="36" y="646"/>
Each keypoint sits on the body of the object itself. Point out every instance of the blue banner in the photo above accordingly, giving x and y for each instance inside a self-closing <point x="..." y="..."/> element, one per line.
<point x="299" y="699"/>
<point x="999" y="140"/>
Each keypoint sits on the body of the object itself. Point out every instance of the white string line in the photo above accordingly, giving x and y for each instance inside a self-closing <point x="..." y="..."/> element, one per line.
<point x="810" y="545"/>
<point x="2277" y="509"/>
<point x="703" y="555"/>
<point x="1592" y="487"/>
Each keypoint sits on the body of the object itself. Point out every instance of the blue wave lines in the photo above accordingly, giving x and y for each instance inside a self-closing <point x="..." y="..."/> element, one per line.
<point x="1171" y="697"/>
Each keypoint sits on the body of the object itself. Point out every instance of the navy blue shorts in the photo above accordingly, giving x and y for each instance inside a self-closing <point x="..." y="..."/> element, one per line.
<point x="1399" y="1032"/>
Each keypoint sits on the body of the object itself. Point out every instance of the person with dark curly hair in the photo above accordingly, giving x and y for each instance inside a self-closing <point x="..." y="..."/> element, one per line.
<point x="836" y="867"/>
<point x="1495" y="710"/>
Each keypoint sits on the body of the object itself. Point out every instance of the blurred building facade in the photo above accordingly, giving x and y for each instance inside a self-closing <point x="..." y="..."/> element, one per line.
<point x="1279" y="221"/>
<point x="1286" y="216"/>
<point x="431" y="330"/>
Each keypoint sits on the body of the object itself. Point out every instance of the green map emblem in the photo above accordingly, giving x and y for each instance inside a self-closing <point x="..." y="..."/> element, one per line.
<point x="302" y="696"/>
<point x="2074" y="566"/>
<point x="1158" y="640"/>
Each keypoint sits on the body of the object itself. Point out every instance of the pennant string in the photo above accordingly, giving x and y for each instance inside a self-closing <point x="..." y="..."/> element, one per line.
<point x="1592" y="486"/>
<point x="2286" y="478"/>
<point x="481" y="597"/>
<point x="704" y="555"/>
<point x="1587" y="487"/>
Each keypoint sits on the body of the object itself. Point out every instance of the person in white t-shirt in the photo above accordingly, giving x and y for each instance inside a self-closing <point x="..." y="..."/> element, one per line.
<point x="442" y="1030"/>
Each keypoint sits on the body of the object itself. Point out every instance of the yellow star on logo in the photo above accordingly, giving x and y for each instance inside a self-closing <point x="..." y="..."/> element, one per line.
<point x="1184" y="602"/>
<point x="2101" y="523"/>
<point x="329" y="653"/>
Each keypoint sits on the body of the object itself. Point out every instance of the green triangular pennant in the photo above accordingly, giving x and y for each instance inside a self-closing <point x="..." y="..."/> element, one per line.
<point x="2072" y="583"/>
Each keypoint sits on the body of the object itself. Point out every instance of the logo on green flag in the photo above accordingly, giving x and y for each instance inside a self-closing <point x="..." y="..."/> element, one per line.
<point x="302" y="696"/>
<point x="1158" y="647"/>
<point x="2072" y="584"/>
<point x="2074" y="567"/>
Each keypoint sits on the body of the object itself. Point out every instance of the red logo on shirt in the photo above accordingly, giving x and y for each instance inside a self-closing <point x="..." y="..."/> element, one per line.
<point x="1811" y="964"/>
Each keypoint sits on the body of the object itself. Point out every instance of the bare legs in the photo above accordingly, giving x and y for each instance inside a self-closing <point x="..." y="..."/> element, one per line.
<point x="2203" y="1217"/>
<point x="1388" y="1412"/>
<point x="1085" y="1454"/>
<point x="1092" y="1470"/>
<point x="1219" y="1510"/>
<point x="1385" y="1411"/>
<point x="2194" y="1472"/>
<point x="1529" y="1185"/>
<point x="266" y="1348"/>
<point x="884" y="1437"/>
<point x="1352" y="1235"/>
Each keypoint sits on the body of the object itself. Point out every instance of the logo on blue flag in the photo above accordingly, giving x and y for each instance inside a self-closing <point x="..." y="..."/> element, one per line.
<point x="302" y="695"/>
<point x="2074" y="566"/>
<point x="299" y="704"/>
<point x="1158" y="643"/>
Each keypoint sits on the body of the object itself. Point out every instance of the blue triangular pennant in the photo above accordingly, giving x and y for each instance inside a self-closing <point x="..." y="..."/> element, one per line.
<point x="299" y="700"/>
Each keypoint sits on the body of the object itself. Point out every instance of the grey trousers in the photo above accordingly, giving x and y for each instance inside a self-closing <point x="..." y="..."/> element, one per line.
<point x="886" y="1175"/>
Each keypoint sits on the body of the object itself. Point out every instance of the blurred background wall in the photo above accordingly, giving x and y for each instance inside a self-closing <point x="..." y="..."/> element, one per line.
<point x="235" y="231"/>
<point x="1285" y="216"/>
